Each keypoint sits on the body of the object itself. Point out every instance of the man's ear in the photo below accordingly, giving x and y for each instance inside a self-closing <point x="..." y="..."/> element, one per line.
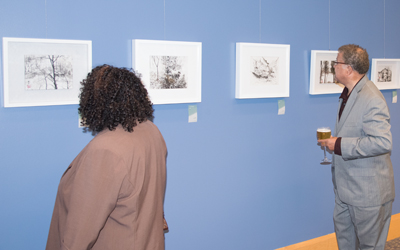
<point x="349" y="70"/>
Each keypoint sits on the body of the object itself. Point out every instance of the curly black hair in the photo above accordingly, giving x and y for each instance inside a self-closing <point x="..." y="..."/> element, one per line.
<point x="111" y="96"/>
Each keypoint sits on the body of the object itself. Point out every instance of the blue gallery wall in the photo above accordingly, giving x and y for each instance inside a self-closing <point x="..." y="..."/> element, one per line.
<point x="242" y="177"/>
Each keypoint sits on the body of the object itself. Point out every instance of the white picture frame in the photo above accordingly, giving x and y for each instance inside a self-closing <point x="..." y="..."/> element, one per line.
<point x="322" y="73"/>
<point x="30" y="66"/>
<point x="385" y="73"/>
<point x="262" y="70"/>
<point x="170" y="70"/>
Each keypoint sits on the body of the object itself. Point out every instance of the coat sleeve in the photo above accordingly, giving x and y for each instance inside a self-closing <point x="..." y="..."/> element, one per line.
<point x="375" y="137"/>
<point x="93" y="193"/>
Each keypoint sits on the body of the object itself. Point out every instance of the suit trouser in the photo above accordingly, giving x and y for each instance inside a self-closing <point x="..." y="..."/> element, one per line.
<point x="361" y="228"/>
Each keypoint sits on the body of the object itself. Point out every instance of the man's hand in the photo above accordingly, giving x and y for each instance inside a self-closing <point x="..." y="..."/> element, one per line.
<point x="330" y="143"/>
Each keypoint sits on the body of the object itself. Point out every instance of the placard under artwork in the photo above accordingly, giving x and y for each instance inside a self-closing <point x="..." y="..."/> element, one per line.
<point x="171" y="71"/>
<point x="322" y="73"/>
<point x="262" y="70"/>
<point x="41" y="72"/>
<point x="385" y="73"/>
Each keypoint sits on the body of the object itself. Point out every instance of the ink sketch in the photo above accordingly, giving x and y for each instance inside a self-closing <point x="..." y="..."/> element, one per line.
<point x="327" y="72"/>
<point x="48" y="72"/>
<point x="322" y="73"/>
<point x="264" y="70"/>
<point x="168" y="72"/>
<point x="384" y="73"/>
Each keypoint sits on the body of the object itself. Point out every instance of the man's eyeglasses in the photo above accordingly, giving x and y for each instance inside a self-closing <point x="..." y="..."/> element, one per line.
<point x="336" y="63"/>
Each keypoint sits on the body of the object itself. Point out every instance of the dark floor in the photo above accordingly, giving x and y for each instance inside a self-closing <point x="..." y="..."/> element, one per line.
<point x="393" y="244"/>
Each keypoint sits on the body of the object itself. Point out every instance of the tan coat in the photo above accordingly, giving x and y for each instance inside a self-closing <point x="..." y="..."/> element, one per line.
<point x="112" y="194"/>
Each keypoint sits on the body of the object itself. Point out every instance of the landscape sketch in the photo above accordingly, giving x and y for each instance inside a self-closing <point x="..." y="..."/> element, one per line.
<point x="327" y="72"/>
<point x="168" y="72"/>
<point x="264" y="70"/>
<point x="48" y="72"/>
<point x="384" y="74"/>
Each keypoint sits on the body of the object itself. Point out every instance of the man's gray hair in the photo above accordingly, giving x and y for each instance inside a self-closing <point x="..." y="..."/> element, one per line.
<point x="356" y="57"/>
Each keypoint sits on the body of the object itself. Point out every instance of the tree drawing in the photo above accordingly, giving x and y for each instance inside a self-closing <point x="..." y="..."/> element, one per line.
<point x="156" y="61"/>
<point x="167" y="72"/>
<point x="327" y="72"/>
<point x="44" y="72"/>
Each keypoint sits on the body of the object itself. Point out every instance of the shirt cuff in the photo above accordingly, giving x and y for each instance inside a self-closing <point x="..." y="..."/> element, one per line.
<point x="338" y="147"/>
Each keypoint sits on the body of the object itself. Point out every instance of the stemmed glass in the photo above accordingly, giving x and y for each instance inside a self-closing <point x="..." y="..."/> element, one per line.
<point x="322" y="134"/>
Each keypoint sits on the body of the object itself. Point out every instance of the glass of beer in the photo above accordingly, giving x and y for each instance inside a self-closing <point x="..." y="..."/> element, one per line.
<point x="324" y="133"/>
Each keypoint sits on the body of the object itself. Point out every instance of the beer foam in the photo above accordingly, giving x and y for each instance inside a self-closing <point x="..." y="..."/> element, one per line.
<point x="323" y="130"/>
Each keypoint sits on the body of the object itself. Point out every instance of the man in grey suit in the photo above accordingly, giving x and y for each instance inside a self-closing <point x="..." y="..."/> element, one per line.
<point x="362" y="171"/>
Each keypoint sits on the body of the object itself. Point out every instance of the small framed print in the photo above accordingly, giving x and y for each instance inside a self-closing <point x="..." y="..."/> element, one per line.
<point x="171" y="71"/>
<point x="262" y="70"/>
<point x="322" y="73"/>
<point x="41" y="72"/>
<point x="385" y="73"/>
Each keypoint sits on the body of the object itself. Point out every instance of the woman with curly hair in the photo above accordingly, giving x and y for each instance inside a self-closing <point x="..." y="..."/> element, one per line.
<point x="111" y="196"/>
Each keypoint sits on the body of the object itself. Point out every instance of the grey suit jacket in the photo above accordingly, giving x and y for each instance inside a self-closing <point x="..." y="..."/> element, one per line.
<point x="363" y="174"/>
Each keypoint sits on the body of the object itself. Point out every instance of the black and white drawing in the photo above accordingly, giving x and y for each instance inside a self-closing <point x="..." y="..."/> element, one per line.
<point x="264" y="70"/>
<point x="327" y="72"/>
<point x="385" y="74"/>
<point x="44" y="72"/>
<point x="168" y="72"/>
<point x="171" y="70"/>
<point x="322" y="73"/>
<point x="48" y="72"/>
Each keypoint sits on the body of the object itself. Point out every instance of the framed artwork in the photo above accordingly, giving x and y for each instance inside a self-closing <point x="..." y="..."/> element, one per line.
<point x="385" y="73"/>
<point x="171" y="71"/>
<point x="322" y="73"/>
<point x="42" y="72"/>
<point x="262" y="70"/>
